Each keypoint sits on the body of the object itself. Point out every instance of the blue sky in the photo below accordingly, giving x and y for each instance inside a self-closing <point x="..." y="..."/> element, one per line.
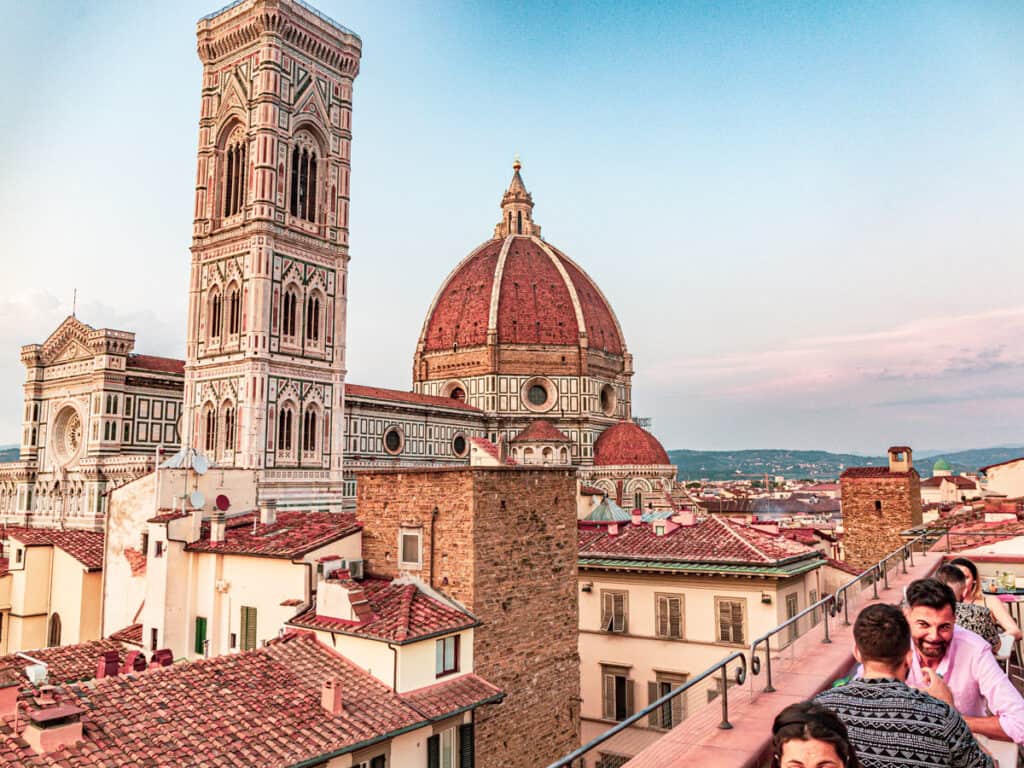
<point x="806" y="215"/>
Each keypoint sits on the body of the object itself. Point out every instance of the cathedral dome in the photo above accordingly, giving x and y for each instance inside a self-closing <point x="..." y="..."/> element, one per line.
<point x="520" y="290"/>
<point x="626" y="444"/>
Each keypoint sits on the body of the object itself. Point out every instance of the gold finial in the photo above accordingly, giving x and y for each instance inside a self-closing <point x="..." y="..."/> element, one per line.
<point x="516" y="165"/>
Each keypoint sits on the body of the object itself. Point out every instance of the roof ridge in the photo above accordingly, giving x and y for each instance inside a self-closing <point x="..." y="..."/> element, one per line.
<point x="740" y="539"/>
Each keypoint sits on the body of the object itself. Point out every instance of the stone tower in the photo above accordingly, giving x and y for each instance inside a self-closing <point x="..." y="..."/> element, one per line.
<point x="267" y="296"/>
<point x="879" y="503"/>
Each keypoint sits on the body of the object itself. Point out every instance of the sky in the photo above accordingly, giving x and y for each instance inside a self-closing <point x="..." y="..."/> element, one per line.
<point x="805" y="215"/>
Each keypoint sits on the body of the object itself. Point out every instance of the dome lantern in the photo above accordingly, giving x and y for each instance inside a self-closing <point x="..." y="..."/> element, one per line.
<point x="516" y="208"/>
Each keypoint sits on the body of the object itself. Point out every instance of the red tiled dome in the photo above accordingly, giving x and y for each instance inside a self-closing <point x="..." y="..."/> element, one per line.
<point x="627" y="444"/>
<point x="540" y="298"/>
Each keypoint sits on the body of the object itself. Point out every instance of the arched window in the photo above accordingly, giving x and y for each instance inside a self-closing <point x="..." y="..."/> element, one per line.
<point x="233" y="179"/>
<point x="229" y="428"/>
<point x="53" y="635"/>
<point x="210" y="442"/>
<point x="234" y="311"/>
<point x="215" y="314"/>
<point x="284" y="429"/>
<point x="303" y="181"/>
<point x="519" y="222"/>
<point x="309" y="430"/>
<point x="638" y="499"/>
<point x="288" y="314"/>
<point x="313" y="318"/>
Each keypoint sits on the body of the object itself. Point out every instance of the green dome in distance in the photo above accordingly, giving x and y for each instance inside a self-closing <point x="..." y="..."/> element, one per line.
<point x="941" y="466"/>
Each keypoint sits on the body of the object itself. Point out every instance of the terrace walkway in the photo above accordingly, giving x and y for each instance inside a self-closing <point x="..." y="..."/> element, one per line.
<point x="799" y="671"/>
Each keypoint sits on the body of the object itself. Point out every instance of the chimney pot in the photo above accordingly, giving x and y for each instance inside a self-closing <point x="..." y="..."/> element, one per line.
<point x="217" y="527"/>
<point x="268" y="512"/>
<point x="53" y="728"/>
<point x="636" y="516"/>
<point x="330" y="696"/>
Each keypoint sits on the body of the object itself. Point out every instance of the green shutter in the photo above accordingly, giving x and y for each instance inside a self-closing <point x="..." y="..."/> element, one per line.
<point x="434" y="751"/>
<point x="467" y="746"/>
<point x="248" y="628"/>
<point x="200" y="634"/>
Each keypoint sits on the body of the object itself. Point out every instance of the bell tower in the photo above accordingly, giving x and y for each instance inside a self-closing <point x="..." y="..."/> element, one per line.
<point x="265" y="361"/>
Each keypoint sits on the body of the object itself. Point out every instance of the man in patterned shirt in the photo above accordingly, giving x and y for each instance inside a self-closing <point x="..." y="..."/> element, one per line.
<point x="892" y="725"/>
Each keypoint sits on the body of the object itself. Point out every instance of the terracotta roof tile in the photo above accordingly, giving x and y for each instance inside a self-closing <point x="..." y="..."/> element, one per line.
<point x="85" y="546"/>
<point x="1000" y="464"/>
<point x="401" y="612"/>
<point x="131" y="634"/>
<point x="396" y="395"/>
<point x="541" y="430"/>
<point x="294" y="534"/>
<point x="844" y="567"/>
<point x="136" y="561"/>
<point x="65" y="663"/>
<point x="626" y="444"/>
<point x="258" y="708"/>
<point x="711" y="540"/>
<point x="159" y="364"/>
<point x="437" y="700"/>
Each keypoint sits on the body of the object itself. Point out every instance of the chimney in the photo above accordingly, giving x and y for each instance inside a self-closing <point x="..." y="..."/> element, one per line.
<point x="195" y="526"/>
<point x="217" y="527"/>
<point x="330" y="696"/>
<point x="9" y="699"/>
<point x="900" y="458"/>
<point x="268" y="512"/>
<point x="52" y="728"/>
<point x="637" y="516"/>
<point x="109" y="665"/>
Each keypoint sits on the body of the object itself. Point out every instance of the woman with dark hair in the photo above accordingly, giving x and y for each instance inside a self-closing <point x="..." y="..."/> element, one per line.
<point x="806" y="735"/>
<point x="974" y="596"/>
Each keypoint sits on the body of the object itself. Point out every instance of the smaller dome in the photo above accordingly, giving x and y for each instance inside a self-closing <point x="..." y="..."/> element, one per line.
<point x="541" y="431"/>
<point x="941" y="466"/>
<point x="627" y="444"/>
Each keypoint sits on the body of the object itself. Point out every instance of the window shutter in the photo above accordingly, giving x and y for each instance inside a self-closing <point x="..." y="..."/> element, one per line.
<point x="467" y="746"/>
<point x="248" y="628"/>
<point x="737" y="622"/>
<point x="663" y="628"/>
<point x="675" y="617"/>
<point x="653" y="719"/>
<point x="619" y="603"/>
<point x="200" y="634"/>
<point x="724" y="635"/>
<point x="677" y="708"/>
<point x="606" y="611"/>
<point x="608" y="710"/>
<point x="629" y="698"/>
<point x="434" y="751"/>
<point x="378" y="762"/>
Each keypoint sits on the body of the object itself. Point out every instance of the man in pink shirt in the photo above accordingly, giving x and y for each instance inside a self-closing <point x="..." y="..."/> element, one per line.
<point x="957" y="666"/>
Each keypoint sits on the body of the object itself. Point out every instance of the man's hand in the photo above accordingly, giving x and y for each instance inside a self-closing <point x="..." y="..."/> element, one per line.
<point x="935" y="686"/>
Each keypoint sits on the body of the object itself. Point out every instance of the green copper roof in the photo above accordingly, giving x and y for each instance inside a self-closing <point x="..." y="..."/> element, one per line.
<point x="789" y="569"/>
<point x="608" y="512"/>
<point x="941" y="466"/>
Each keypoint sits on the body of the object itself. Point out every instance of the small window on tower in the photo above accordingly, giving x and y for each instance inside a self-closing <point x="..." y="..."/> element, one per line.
<point x="878" y="506"/>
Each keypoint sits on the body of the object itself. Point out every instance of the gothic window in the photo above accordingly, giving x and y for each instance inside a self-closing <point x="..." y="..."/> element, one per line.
<point x="284" y="429"/>
<point x="302" y="202"/>
<point x="309" y="430"/>
<point x="234" y="173"/>
<point x="519" y="223"/>
<point x="288" y="315"/>
<point x="234" y="311"/>
<point x="53" y="636"/>
<point x="215" y="314"/>
<point x="210" y="443"/>
<point x="229" y="428"/>
<point x="313" y="318"/>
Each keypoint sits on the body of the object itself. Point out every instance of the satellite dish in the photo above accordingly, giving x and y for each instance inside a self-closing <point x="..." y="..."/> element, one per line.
<point x="222" y="502"/>
<point x="196" y="499"/>
<point x="200" y="464"/>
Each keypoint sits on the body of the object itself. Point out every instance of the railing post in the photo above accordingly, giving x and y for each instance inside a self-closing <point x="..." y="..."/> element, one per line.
<point x="846" y="608"/>
<point x="769" y="688"/>
<point x="725" y="724"/>
<point x="911" y="552"/>
<point x="874" y="582"/>
<point x="885" y="572"/>
<point x="824" y="617"/>
<point x="904" y="558"/>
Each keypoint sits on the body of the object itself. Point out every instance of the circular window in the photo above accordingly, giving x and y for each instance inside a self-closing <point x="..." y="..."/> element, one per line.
<point x="537" y="394"/>
<point x="459" y="445"/>
<point x="608" y="400"/>
<point x="67" y="430"/>
<point x="458" y="393"/>
<point x="393" y="440"/>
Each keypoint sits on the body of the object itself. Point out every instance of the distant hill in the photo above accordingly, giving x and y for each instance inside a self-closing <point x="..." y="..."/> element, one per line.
<point x="9" y="452"/>
<point x="817" y="465"/>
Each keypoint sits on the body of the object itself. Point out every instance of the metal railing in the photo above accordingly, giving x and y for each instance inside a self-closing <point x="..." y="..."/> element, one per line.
<point x="721" y="668"/>
<point x="827" y="607"/>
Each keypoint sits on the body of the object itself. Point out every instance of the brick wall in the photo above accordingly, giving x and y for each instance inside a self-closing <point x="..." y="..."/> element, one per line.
<point x="869" y="534"/>
<point x="505" y="540"/>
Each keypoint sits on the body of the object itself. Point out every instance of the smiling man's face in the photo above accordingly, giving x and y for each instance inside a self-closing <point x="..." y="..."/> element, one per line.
<point x="931" y="630"/>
